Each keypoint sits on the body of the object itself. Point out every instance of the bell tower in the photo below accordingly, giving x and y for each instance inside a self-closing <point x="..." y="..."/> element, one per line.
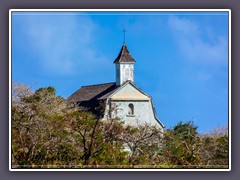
<point x="124" y="66"/>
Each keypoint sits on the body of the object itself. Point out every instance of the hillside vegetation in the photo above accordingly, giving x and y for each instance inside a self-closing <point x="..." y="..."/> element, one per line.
<point x="46" y="134"/>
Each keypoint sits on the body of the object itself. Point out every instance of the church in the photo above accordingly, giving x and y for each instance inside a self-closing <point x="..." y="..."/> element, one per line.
<point x="121" y="99"/>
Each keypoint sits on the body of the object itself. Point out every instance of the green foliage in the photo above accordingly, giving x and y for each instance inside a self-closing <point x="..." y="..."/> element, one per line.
<point x="182" y="144"/>
<point x="50" y="90"/>
<point x="45" y="134"/>
<point x="185" y="131"/>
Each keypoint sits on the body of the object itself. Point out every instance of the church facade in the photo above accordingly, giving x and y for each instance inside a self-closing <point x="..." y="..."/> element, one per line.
<point x="121" y="99"/>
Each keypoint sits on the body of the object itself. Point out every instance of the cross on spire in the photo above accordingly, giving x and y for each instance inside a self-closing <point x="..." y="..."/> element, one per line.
<point x="124" y="31"/>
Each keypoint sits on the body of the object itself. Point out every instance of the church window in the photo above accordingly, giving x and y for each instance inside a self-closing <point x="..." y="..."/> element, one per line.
<point x="130" y="109"/>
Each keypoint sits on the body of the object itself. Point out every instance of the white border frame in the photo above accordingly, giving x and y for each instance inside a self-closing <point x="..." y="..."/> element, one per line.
<point x="121" y="10"/>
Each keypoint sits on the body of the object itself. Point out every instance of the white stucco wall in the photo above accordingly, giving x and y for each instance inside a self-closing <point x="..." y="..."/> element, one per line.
<point x="124" y="72"/>
<point x="143" y="108"/>
<point x="143" y="112"/>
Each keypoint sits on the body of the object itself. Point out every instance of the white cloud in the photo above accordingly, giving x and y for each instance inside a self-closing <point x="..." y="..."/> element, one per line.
<point x="63" y="44"/>
<point x="182" y="25"/>
<point x="197" y="44"/>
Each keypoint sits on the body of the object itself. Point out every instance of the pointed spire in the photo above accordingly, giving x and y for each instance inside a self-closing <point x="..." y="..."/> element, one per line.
<point x="124" y="35"/>
<point x="124" y="55"/>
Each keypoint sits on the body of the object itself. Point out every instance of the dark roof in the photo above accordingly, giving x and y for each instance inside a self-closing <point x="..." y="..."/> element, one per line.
<point x="86" y="93"/>
<point x="124" y="55"/>
<point x="105" y="96"/>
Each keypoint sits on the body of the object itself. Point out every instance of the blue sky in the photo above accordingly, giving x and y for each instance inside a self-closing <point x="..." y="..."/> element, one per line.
<point x="181" y="57"/>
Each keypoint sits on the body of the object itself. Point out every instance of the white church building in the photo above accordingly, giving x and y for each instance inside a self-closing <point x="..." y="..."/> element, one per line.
<point x="122" y="99"/>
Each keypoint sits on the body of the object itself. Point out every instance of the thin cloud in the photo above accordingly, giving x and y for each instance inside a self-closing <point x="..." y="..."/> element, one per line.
<point x="63" y="44"/>
<point x="197" y="47"/>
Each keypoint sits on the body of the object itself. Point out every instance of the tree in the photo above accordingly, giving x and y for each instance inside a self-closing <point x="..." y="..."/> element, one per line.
<point x="98" y="141"/>
<point x="214" y="148"/>
<point x="36" y="125"/>
<point x="181" y="145"/>
<point x="46" y="133"/>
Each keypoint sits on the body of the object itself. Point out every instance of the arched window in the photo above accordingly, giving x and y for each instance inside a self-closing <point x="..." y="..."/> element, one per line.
<point x="130" y="109"/>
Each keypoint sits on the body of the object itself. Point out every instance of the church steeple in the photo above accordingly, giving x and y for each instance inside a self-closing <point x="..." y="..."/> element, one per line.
<point x="124" y="66"/>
